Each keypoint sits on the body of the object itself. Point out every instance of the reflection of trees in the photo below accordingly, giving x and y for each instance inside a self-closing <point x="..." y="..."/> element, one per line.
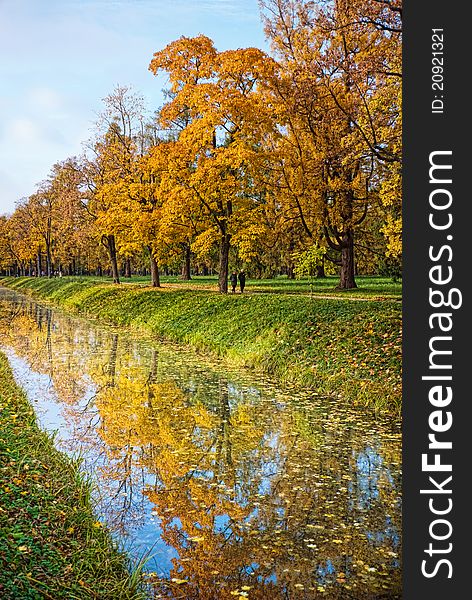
<point x="32" y="332"/>
<point x="285" y="498"/>
<point x="44" y="320"/>
<point x="275" y="516"/>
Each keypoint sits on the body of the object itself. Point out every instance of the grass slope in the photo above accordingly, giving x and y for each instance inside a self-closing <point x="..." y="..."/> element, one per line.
<point x="51" y="545"/>
<point x="343" y="347"/>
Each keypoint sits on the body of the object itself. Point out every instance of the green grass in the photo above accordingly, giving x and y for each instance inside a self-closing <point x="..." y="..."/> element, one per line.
<point x="367" y="286"/>
<point x="51" y="544"/>
<point x="334" y="346"/>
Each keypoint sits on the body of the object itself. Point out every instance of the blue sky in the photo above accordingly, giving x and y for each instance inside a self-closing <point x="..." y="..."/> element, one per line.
<point x="59" y="58"/>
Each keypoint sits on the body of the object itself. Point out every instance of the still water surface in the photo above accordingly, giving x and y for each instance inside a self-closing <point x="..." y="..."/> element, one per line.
<point x="234" y="487"/>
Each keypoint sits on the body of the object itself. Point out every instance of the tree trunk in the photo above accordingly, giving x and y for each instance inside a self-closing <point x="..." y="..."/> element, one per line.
<point x="48" y="242"/>
<point x="186" y="276"/>
<point x="223" y="443"/>
<point x="225" y="243"/>
<point x="48" y="261"/>
<point x="39" y="263"/>
<point x="320" y="270"/>
<point x="346" y="279"/>
<point x="155" y="279"/>
<point x="128" y="268"/>
<point x="111" y="247"/>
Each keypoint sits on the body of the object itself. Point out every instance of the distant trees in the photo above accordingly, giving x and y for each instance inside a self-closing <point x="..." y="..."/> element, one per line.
<point x="254" y="159"/>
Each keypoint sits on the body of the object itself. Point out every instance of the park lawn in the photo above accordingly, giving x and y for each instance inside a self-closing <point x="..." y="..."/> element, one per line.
<point x="51" y="545"/>
<point x="368" y="286"/>
<point x="334" y="346"/>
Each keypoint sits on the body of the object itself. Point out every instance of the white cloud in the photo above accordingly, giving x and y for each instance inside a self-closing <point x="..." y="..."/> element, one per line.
<point x="45" y="99"/>
<point x="22" y="131"/>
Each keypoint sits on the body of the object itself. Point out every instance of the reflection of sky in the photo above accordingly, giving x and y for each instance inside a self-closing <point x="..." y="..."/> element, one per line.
<point x="40" y="390"/>
<point x="327" y="569"/>
<point x="369" y="469"/>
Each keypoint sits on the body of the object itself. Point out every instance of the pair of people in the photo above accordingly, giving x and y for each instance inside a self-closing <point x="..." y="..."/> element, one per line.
<point x="234" y="281"/>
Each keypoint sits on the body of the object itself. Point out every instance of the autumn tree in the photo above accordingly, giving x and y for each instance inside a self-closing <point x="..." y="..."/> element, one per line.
<point x="71" y="222"/>
<point x="148" y="204"/>
<point x="42" y="215"/>
<point x="17" y="243"/>
<point x="209" y="162"/>
<point x="109" y="168"/>
<point x="338" y="102"/>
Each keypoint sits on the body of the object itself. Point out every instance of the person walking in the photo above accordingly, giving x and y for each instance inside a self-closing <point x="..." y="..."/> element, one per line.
<point x="234" y="281"/>
<point x="242" y="280"/>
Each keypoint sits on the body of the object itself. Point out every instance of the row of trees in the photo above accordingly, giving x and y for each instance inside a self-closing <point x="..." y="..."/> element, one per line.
<point x="254" y="158"/>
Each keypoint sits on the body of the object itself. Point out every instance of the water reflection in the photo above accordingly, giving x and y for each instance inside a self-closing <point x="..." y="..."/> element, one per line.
<point x="240" y="489"/>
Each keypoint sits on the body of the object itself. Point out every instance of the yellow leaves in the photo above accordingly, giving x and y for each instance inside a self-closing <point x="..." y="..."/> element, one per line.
<point x="186" y="60"/>
<point x="390" y="192"/>
<point x="242" y="593"/>
<point x="205" y="241"/>
<point x="208" y="167"/>
<point x="392" y="231"/>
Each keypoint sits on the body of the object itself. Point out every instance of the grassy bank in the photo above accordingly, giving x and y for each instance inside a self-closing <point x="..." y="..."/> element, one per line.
<point x="51" y="545"/>
<point x="336" y="346"/>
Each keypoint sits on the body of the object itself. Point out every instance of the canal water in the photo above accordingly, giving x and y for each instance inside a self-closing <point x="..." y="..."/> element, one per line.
<point x="230" y="486"/>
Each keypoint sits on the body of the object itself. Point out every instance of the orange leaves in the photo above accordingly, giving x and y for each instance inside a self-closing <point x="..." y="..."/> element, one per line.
<point x="221" y="115"/>
<point x="186" y="60"/>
